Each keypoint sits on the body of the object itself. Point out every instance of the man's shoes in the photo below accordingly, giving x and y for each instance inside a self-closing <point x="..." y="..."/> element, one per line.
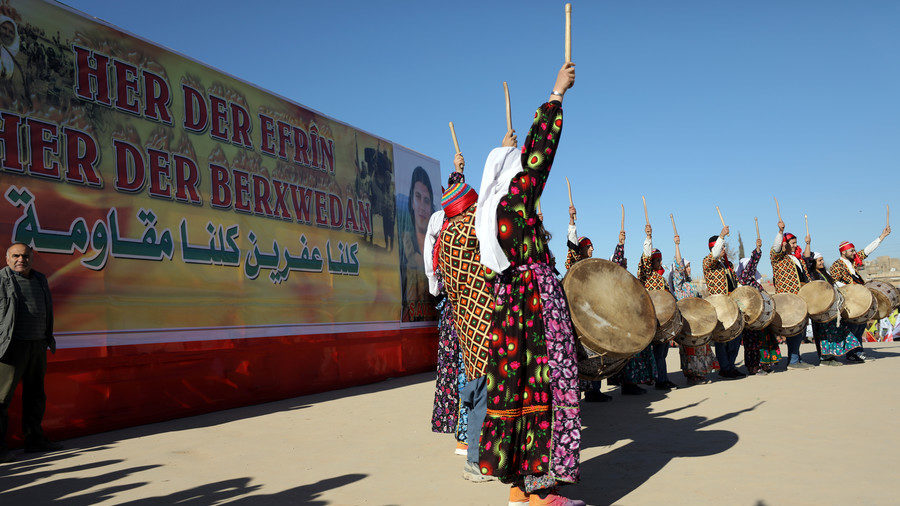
<point x="42" y="445"/>
<point x="665" y="385"/>
<point x="596" y="396"/>
<point x="6" y="456"/>
<point x="830" y="362"/>
<point x="800" y="365"/>
<point x="731" y="374"/>
<point x="855" y="358"/>
<point x="473" y="474"/>
<point x="632" y="389"/>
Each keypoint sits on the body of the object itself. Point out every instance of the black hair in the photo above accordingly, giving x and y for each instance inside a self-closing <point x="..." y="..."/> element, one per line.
<point x="419" y="176"/>
<point x="713" y="238"/>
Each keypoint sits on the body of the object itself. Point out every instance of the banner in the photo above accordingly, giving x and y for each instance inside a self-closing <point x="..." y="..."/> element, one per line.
<point x="162" y="195"/>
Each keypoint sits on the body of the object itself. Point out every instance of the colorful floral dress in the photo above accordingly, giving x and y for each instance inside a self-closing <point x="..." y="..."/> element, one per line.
<point x="834" y="340"/>
<point x="760" y="346"/>
<point x="696" y="362"/>
<point x="449" y="415"/>
<point x="532" y="432"/>
<point x="640" y="368"/>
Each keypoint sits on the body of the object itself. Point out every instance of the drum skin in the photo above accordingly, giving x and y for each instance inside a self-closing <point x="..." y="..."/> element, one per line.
<point x="819" y="296"/>
<point x="699" y="321"/>
<point x="891" y="292"/>
<point x="749" y="301"/>
<point x="858" y="302"/>
<point x="790" y="314"/>
<point x="667" y="316"/>
<point x="730" y="320"/>
<point x="611" y="311"/>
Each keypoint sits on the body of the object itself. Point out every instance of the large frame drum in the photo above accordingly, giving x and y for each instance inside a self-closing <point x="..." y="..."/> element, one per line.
<point x="730" y="322"/>
<point x="611" y="311"/>
<point x="859" y="305"/>
<point x="883" y="307"/>
<point x="823" y="301"/>
<point x="668" y="317"/>
<point x="890" y="292"/>
<point x="791" y="315"/>
<point x="699" y="321"/>
<point x="757" y="307"/>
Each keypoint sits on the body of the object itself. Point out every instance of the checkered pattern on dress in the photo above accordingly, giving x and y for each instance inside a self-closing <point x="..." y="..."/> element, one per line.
<point x="716" y="274"/>
<point x="840" y="272"/>
<point x="467" y="285"/>
<point x="572" y="257"/>
<point x="651" y="279"/>
<point x="784" y="272"/>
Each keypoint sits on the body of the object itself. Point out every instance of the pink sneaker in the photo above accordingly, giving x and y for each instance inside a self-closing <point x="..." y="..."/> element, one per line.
<point x="554" y="500"/>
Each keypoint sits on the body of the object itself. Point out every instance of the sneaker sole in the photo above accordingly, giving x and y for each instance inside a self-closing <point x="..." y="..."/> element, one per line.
<point x="477" y="478"/>
<point x="460" y="451"/>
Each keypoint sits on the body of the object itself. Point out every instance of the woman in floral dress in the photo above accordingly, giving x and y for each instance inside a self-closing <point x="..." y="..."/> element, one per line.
<point x="532" y="433"/>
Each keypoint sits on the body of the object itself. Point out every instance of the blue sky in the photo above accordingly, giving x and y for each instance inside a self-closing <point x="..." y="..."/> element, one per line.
<point x="692" y="104"/>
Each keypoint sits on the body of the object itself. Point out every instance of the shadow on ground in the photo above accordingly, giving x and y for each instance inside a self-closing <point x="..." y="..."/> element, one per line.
<point x="20" y="484"/>
<point x="654" y="441"/>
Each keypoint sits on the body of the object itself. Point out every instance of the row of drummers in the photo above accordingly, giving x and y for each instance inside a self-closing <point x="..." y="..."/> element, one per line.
<point x="613" y="329"/>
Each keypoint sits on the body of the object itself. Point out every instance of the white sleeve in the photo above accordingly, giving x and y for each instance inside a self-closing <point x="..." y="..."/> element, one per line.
<point x="779" y="238"/>
<point x="648" y="247"/>
<point x="572" y="234"/>
<point x="434" y="228"/>
<point x="871" y="247"/>
<point x="718" y="248"/>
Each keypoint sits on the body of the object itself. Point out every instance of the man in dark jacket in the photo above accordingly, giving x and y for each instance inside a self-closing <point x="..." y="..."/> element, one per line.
<point x="26" y="331"/>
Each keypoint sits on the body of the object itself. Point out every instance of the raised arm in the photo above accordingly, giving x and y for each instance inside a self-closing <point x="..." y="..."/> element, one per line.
<point x="877" y="242"/>
<point x="719" y="247"/>
<point x="678" y="259"/>
<point x="539" y="148"/>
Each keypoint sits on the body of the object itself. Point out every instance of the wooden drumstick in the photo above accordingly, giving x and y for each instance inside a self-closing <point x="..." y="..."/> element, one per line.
<point x="453" y="134"/>
<point x="568" y="33"/>
<point x="508" y="109"/>
<point x="777" y="208"/>
<point x="756" y="221"/>
<point x="571" y="202"/>
<point x="646" y="216"/>
<point x="623" y="217"/>
<point x="675" y="230"/>
<point x="805" y="219"/>
<point x="720" y="217"/>
<point x="538" y="206"/>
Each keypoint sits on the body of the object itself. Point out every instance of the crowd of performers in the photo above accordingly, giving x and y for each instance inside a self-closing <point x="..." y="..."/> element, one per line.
<point x="507" y="384"/>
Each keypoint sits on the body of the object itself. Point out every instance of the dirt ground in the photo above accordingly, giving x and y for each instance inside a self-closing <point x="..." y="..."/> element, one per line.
<point x="821" y="436"/>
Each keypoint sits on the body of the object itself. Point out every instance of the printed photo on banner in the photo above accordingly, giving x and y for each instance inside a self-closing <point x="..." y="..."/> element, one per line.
<point x="418" y="196"/>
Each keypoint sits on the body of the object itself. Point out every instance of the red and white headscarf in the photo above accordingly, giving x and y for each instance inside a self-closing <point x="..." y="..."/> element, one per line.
<point x="797" y="251"/>
<point x="847" y="245"/>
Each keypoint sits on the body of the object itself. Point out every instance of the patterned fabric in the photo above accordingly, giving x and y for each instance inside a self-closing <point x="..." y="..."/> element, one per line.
<point x="717" y="275"/>
<point x="641" y="368"/>
<point x="619" y="255"/>
<point x="650" y="278"/>
<point x="696" y="362"/>
<point x="445" y="415"/>
<point x="748" y="275"/>
<point x="785" y="273"/>
<point x="841" y="273"/>
<point x="769" y="350"/>
<point x="836" y="340"/>
<point x="572" y="257"/>
<point x="757" y="344"/>
<point x="533" y="428"/>
<point x="468" y="289"/>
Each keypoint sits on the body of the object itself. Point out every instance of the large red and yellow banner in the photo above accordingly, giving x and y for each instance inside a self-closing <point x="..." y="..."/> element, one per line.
<point x="167" y="200"/>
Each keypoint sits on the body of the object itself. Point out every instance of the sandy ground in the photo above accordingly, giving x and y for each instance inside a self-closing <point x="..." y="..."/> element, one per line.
<point x="822" y="436"/>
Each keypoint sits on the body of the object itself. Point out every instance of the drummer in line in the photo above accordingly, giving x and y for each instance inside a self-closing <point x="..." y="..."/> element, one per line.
<point x="789" y="272"/>
<point x="651" y="274"/>
<point x="581" y="248"/>
<point x="843" y="270"/>
<point x="832" y="340"/>
<point x="720" y="278"/>
<point x="761" y="350"/>
<point x="696" y="361"/>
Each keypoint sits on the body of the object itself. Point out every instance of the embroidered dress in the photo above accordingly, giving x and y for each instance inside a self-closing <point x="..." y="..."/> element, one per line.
<point x="786" y="274"/>
<point x="836" y="340"/>
<point x="719" y="275"/>
<point x="467" y="286"/>
<point x="756" y="340"/>
<point x="769" y="351"/>
<point x="696" y="362"/>
<point x="532" y="431"/>
<point x="447" y="406"/>
<point x="651" y="279"/>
